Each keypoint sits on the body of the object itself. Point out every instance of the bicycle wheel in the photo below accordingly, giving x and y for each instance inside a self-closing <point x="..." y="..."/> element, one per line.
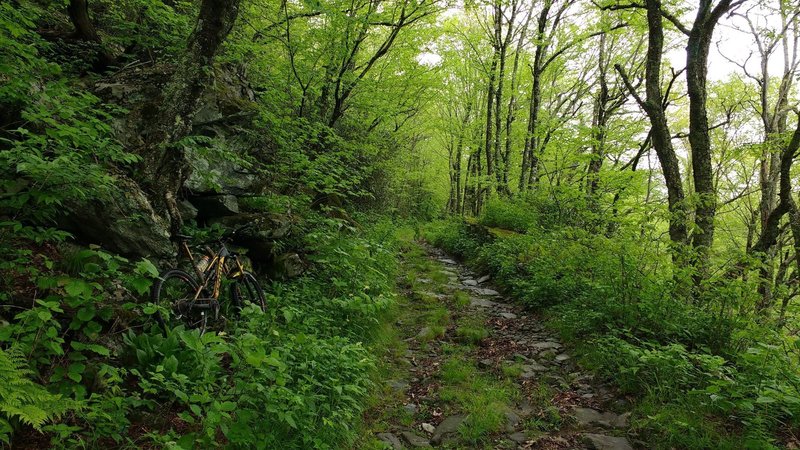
<point x="245" y="288"/>
<point x="175" y="290"/>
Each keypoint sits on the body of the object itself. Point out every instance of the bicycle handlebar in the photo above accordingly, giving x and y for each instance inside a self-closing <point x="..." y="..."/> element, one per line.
<point x="227" y="235"/>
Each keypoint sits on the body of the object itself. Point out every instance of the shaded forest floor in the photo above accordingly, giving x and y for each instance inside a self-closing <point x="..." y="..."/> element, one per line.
<point x="466" y="368"/>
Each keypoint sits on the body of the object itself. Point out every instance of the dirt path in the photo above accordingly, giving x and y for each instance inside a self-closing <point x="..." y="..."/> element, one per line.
<point x="471" y="370"/>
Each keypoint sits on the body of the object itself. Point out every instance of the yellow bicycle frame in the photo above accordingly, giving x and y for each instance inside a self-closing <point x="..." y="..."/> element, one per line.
<point x="217" y="264"/>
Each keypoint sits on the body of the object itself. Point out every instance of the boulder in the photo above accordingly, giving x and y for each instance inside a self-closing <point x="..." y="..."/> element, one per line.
<point x="187" y="210"/>
<point x="257" y="233"/>
<point x="125" y="223"/>
<point x="215" y="174"/>
<point x="290" y="265"/>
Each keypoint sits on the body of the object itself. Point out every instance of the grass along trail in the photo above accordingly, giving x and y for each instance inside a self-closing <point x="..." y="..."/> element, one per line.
<point x="465" y="368"/>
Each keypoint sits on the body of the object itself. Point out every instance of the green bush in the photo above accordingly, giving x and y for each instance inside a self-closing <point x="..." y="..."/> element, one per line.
<point x="606" y="295"/>
<point x="510" y="215"/>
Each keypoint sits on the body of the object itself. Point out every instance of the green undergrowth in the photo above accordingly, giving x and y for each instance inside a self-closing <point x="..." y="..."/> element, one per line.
<point x="88" y="368"/>
<point x="481" y="397"/>
<point x="461" y="387"/>
<point x="704" y="376"/>
<point x="414" y="315"/>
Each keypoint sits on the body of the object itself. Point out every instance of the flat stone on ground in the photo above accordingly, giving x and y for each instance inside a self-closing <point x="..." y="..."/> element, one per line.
<point x="485" y="292"/>
<point x="414" y="440"/>
<point x="470" y="282"/>
<point x="546" y="345"/>
<point x="518" y="437"/>
<point x="448" y="261"/>
<point x="484" y="279"/>
<point x="589" y="416"/>
<point x="603" y="442"/>
<point x="512" y="421"/>
<point x="482" y="303"/>
<point x="391" y="439"/>
<point x="508" y="315"/>
<point x="448" y="426"/>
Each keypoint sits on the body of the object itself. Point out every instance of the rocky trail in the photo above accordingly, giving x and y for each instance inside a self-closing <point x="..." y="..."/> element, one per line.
<point x="473" y="370"/>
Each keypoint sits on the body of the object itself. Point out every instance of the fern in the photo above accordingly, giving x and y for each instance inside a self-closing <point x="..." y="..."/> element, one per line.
<point x="23" y="400"/>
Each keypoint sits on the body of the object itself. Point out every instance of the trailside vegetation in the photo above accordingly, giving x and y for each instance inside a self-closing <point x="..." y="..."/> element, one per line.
<point x="622" y="167"/>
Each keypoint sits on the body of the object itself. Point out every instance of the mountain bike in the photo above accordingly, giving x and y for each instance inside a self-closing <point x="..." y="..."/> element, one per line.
<point x="192" y="299"/>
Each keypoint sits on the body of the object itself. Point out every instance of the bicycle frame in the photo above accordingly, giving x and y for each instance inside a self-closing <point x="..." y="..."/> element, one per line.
<point x="214" y="270"/>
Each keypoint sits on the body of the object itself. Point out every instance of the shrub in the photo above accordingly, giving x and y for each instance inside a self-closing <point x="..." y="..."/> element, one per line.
<point x="514" y="215"/>
<point x="607" y="295"/>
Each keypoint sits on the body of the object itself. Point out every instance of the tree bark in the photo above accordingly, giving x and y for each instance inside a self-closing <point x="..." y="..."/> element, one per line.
<point x="503" y="43"/>
<point x="490" y="95"/>
<point x="164" y="167"/>
<point x="699" y="138"/>
<point x="598" y="124"/>
<point x="512" y="103"/>
<point x="530" y="161"/>
<point x="654" y="107"/>
<point x="85" y="30"/>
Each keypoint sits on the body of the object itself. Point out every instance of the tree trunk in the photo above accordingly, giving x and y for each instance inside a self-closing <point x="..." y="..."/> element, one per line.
<point x="661" y="138"/>
<point x="512" y="105"/>
<point x="164" y="167"/>
<point x="530" y="161"/>
<point x="78" y="11"/>
<point x="699" y="139"/>
<point x="598" y="125"/>
<point x="458" y="156"/>
<point x="498" y="115"/>
<point x="490" y="93"/>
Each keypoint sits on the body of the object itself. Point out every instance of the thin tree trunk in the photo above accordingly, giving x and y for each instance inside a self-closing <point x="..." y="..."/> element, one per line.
<point x="164" y="166"/>
<point x="85" y="30"/>
<point x="661" y="138"/>
<point x="530" y="161"/>
<point x="699" y="139"/>
<point x="598" y="125"/>
<point x="490" y="94"/>
<point x="459" y="149"/>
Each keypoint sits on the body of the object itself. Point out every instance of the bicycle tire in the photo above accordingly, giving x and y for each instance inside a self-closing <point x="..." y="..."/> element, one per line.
<point x="245" y="287"/>
<point x="164" y="293"/>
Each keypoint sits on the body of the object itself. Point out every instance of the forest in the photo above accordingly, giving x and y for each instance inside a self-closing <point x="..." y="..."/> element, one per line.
<point x="388" y="224"/>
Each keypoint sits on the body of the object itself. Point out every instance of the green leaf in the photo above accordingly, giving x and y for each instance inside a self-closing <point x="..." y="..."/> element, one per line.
<point x="86" y="313"/>
<point x="227" y="406"/>
<point x="77" y="288"/>
<point x="141" y="285"/>
<point x="145" y="267"/>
